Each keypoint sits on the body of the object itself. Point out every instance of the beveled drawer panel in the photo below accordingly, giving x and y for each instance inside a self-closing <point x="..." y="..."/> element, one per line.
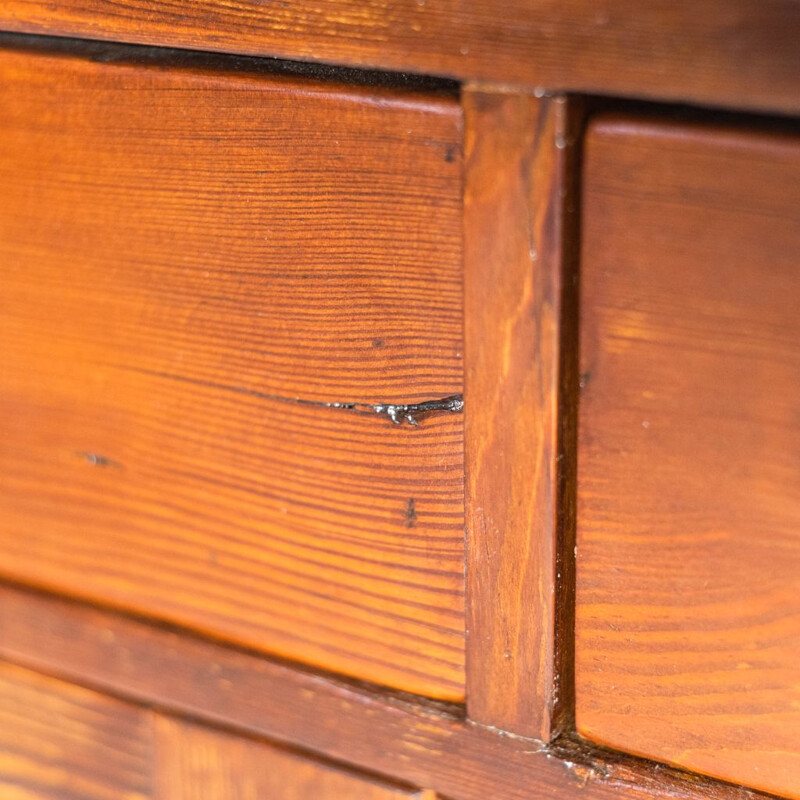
<point x="688" y="615"/>
<point x="197" y="763"/>
<point x="202" y="269"/>
<point x="61" y="741"/>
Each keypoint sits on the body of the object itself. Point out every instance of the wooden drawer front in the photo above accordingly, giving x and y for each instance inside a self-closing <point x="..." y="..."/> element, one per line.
<point x="59" y="741"/>
<point x="195" y="265"/>
<point x="688" y="617"/>
<point x="64" y="742"/>
<point x="195" y="763"/>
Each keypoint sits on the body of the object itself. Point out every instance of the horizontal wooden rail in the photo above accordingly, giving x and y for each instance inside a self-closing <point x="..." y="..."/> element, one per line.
<point x="732" y="53"/>
<point x="419" y="743"/>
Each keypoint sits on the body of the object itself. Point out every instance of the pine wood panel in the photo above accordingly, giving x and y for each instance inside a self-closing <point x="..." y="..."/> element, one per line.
<point x="517" y="210"/>
<point x="196" y="763"/>
<point x="420" y="744"/>
<point x="688" y="617"/>
<point x="62" y="742"/>
<point x="194" y="264"/>
<point x="739" y="53"/>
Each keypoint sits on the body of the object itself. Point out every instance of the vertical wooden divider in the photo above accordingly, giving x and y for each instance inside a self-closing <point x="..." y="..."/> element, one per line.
<point x="519" y="243"/>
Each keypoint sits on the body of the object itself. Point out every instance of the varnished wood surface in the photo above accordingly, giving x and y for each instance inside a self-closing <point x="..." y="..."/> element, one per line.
<point x="60" y="741"/>
<point x="517" y="210"/>
<point x="419" y="744"/>
<point x="198" y="763"/>
<point x="63" y="742"/>
<point x="688" y="634"/>
<point x="736" y="53"/>
<point x="193" y="264"/>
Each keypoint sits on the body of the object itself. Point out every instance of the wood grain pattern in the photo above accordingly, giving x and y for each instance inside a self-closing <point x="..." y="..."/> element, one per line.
<point x="517" y="209"/>
<point x="62" y="742"/>
<point x="196" y="763"/>
<point x="193" y="264"/>
<point x="420" y="744"/>
<point x="738" y="53"/>
<point x="688" y="636"/>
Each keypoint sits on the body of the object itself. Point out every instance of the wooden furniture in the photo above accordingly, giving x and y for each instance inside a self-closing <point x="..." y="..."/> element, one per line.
<point x="186" y="327"/>
<point x="372" y="434"/>
<point x="688" y="623"/>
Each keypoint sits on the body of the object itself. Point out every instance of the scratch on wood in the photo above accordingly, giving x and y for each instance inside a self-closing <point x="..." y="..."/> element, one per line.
<point x="98" y="460"/>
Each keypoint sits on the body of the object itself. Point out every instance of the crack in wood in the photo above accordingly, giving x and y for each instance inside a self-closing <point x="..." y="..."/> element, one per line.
<point x="398" y="413"/>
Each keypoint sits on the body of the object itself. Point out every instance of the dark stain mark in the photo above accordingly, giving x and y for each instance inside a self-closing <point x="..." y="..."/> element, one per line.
<point x="411" y="513"/>
<point x="97" y="460"/>
<point x="584" y="380"/>
<point x="377" y="343"/>
<point x="450" y="154"/>
<point x="398" y="413"/>
<point x="413" y="412"/>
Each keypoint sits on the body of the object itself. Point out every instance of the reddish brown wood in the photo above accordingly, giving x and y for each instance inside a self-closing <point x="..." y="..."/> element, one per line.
<point x="417" y="743"/>
<point x="196" y="763"/>
<point x="193" y="264"/>
<point x="740" y="53"/>
<point x="688" y="635"/>
<point x="59" y="741"/>
<point x="518" y="201"/>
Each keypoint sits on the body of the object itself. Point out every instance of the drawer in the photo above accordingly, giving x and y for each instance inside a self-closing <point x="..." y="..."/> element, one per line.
<point x="63" y="741"/>
<point x="688" y="521"/>
<point x="196" y="763"/>
<point x="215" y="280"/>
